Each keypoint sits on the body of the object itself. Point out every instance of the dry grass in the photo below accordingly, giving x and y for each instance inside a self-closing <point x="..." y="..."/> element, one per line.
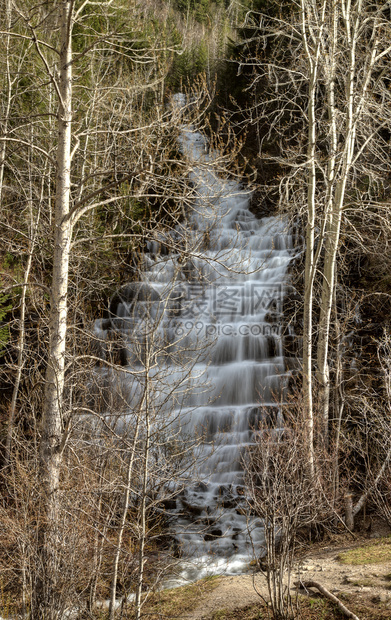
<point x="311" y="609"/>
<point x="179" y="601"/>
<point x="378" y="552"/>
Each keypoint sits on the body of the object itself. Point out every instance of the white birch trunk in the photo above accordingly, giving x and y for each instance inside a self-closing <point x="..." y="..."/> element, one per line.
<point x="355" y="102"/>
<point x="310" y="259"/>
<point x="51" y="437"/>
<point x="125" y="508"/>
<point x="145" y="475"/>
<point x="330" y="76"/>
<point x="7" y="108"/>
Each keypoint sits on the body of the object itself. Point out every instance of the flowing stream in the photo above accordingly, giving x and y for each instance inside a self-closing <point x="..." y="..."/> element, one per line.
<point x="217" y="307"/>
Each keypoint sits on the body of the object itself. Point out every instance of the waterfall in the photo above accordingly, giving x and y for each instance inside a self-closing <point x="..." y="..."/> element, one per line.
<point x="214" y="309"/>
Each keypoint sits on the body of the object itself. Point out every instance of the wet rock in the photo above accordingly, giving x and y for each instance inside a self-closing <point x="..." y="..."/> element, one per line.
<point x="213" y="534"/>
<point x="169" y="504"/>
<point x="228" y="503"/>
<point x="176" y="548"/>
<point x="201" y="487"/>
<point x="131" y="293"/>
<point x="223" y="490"/>
<point x="382" y="597"/>
<point x="254" y="417"/>
<point x="225" y="497"/>
<point x="192" y="508"/>
<point x="259" y="417"/>
<point x="292" y="364"/>
<point x="273" y="317"/>
<point x="273" y="346"/>
<point x="292" y="346"/>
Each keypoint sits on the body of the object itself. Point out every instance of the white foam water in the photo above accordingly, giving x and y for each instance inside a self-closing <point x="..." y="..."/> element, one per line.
<point x="217" y="301"/>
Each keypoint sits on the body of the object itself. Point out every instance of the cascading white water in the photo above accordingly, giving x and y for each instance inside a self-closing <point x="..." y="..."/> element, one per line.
<point x="228" y="297"/>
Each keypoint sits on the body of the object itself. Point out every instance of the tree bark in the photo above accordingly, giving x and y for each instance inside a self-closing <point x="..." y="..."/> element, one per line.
<point x="331" y="597"/>
<point x="6" y="112"/>
<point x="356" y="95"/>
<point x="125" y="508"/>
<point x="349" y="517"/>
<point x="310" y="260"/>
<point x="145" y="475"/>
<point x="51" y="446"/>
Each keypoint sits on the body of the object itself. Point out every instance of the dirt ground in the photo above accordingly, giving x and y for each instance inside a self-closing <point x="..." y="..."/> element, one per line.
<point x="369" y="581"/>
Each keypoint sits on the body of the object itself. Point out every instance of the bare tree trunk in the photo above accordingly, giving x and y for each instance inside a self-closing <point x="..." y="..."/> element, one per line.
<point x="51" y="446"/>
<point x="330" y="596"/>
<point x="323" y="375"/>
<point x="329" y="274"/>
<point x="349" y="517"/>
<point x="310" y="262"/>
<point x="145" y="461"/>
<point x="20" y="362"/>
<point x="361" y="502"/>
<point x="352" y="23"/>
<point x="339" y="403"/>
<point x="22" y="336"/>
<point x="129" y="474"/>
<point x="6" y="113"/>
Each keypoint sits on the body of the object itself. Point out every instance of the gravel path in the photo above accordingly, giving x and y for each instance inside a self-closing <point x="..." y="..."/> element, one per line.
<point x="235" y="592"/>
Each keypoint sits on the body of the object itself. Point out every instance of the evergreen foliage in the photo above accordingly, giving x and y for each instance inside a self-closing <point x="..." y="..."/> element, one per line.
<point x="5" y="308"/>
